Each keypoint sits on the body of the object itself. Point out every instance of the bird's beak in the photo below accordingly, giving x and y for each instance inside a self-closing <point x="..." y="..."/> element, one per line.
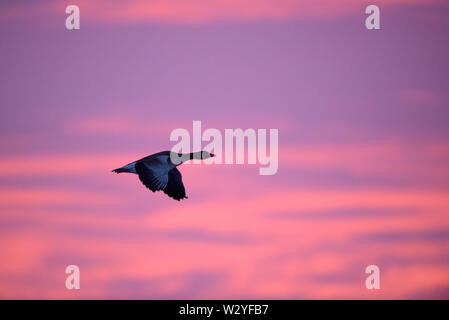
<point x="212" y="155"/>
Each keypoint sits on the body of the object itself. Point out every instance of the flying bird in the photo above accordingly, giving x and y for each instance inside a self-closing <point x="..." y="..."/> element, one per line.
<point x="158" y="171"/>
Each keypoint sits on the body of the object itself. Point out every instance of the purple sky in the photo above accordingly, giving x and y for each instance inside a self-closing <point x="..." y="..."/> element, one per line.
<point x="363" y="150"/>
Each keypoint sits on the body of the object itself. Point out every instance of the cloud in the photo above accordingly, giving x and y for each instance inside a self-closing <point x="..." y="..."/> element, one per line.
<point x="385" y="158"/>
<point x="419" y="97"/>
<point x="34" y="197"/>
<point x="439" y="235"/>
<point x="120" y="125"/>
<point x="180" y="251"/>
<point x="204" y="11"/>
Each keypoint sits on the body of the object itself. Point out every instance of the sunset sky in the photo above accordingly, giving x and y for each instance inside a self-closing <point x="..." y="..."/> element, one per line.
<point x="363" y="172"/>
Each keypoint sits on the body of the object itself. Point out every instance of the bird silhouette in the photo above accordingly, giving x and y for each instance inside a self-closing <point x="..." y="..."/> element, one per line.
<point x="159" y="171"/>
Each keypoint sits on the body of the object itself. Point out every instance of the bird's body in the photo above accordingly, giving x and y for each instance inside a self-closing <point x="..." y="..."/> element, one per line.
<point x="158" y="171"/>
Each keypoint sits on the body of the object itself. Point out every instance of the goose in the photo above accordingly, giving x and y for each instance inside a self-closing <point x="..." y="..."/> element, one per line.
<point x="158" y="171"/>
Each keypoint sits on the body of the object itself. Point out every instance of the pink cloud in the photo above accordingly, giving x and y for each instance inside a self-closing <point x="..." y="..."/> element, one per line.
<point x="388" y="158"/>
<point x="120" y="125"/>
<point x="199" y="11"/>
<point x="60" y="164"/>
<point x="163" y="246"/>
<point x="307" y="259"/>
<point x="34" y="197"/>
<point x="203" y="11"/>
<point x="419" y="97"/>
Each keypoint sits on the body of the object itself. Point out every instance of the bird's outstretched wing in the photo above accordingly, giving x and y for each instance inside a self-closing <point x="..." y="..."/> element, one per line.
<point x="175" y="188"/>
<point x="150" y="175"/>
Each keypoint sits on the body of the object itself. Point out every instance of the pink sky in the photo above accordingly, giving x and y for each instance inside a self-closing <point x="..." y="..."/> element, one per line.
<point x="363" y="149"/>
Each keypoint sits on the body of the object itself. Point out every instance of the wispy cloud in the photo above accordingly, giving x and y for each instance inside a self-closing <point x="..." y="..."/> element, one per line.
<point x="419" y="97"/>
<point x="203" y="11"/>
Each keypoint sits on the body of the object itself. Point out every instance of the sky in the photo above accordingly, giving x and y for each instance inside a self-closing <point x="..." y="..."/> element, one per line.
<point x="363" y="174"/>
